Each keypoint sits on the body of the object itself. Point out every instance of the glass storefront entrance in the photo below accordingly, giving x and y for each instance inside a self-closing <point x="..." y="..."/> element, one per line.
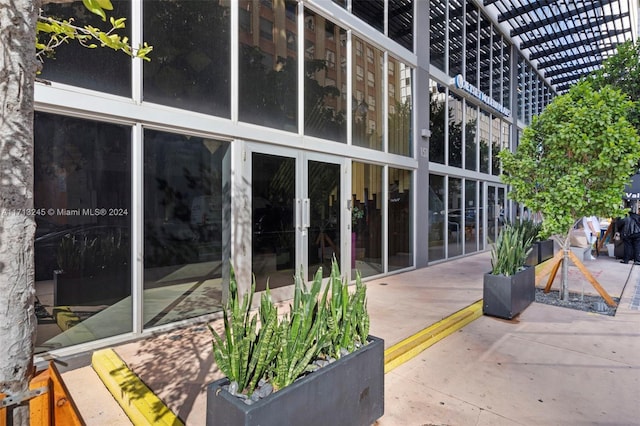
<point x="296" y="207"/>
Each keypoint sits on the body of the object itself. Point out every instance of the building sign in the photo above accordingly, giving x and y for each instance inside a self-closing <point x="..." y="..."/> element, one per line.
<point x="462" y="84"/>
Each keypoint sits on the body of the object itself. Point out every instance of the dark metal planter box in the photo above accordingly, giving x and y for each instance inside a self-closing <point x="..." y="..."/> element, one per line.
<point x="350" y="391"/>
<point x="506" y="297"/>
<point x="545" y="250"/>
<point x="534" y="255"/>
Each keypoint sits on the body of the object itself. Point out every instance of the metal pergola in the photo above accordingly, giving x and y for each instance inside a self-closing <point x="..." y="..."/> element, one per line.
<point x="567" y="39"/>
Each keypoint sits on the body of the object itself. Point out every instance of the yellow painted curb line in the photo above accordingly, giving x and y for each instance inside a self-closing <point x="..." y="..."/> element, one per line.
<point x="410" y="347"/>
<point x="141" y="405"/>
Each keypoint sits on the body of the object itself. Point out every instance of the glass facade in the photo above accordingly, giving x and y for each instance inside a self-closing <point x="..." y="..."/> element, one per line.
<point x="271" y="135"/>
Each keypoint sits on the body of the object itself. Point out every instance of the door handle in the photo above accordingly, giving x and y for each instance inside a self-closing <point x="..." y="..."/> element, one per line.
<point x="306" y="213"/>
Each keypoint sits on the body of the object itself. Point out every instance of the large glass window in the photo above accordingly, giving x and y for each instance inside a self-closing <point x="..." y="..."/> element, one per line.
<point x="470" y="132"/>
<point x="105" y="70"/>
<point x="437" y="121"/>
<point x="496" y="67"/>
<point x="400" y="241"/>
<point x="437" y="234"/>
<point x="370" y="11"/>
<point x="366" y="219"/>
<point x="438" y="33"/>
<point x="484" y="140"/>
<point x="268" y="82"/>
<point x="506" y="74"/>
<point x="324" y="104"/>
<point x="471" y="213"/>
<point x="401" y="22"/>
<point x="455" y="130"/>
<point x="273" y="241"/>
<point x="456" y="24"/>
<point x="496" y="133"/>
<point x="485" y="55"/>
<point x="456" y="229"/>
<point x="400" y="109"/>
<point x="184" y="180"/>
<point x="82" y="187"/>
<point x="368" y="125"/>
<point x="471" y="49"/>
<point x="190" y="68"/>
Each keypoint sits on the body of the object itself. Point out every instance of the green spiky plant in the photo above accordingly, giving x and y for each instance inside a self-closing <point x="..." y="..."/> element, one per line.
<point x="244" y="356"/>
<point x="304" y="332"/>
<point x="284" y="349"/>
<point x="510" y="251"/>
<point x="347" y="317"/>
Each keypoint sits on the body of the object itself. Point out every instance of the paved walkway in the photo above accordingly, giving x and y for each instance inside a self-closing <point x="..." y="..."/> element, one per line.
<point x="548" y="366"/>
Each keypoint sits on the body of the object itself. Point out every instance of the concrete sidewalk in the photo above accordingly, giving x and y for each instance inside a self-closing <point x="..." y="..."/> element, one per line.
<point x="550" y="365"/>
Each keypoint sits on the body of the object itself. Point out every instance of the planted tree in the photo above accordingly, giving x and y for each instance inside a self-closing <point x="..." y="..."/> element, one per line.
<point x="22" y="23"/>
<point x="574" y="160"/>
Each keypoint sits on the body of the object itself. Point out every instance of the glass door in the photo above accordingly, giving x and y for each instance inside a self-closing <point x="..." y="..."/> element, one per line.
<point x="296" y="214"/>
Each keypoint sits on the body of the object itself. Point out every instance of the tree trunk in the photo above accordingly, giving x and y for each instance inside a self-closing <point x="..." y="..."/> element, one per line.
<point x="17" y="227"/>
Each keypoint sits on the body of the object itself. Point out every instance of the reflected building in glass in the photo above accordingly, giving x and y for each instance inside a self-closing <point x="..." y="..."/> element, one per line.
<point x="267" y="136"/>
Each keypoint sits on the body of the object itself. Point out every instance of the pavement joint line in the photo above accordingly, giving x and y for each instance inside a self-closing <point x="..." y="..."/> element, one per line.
<point x="135" y="398"/>
<point x="410" y="347"/>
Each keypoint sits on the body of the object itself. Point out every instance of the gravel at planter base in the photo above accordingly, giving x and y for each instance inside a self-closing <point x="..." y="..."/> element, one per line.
<point x="586" y="302"/>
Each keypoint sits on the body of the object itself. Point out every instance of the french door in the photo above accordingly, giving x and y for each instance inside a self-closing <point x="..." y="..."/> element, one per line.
<point x="297" y="213"/>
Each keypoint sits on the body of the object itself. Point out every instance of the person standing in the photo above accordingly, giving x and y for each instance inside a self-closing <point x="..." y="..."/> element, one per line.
<point x="591" y="226"/>
<point x="631" y="238"/>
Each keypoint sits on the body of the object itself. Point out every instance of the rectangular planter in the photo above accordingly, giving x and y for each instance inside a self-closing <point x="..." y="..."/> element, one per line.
<point x="534" y="255"/>
<point x="545" y="250"/>
<point x="506" y="297"/>
<point x="349" y="391"/>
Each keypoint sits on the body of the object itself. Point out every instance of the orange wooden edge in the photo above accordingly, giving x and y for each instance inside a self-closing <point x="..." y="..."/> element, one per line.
<point x="54" y="407"/>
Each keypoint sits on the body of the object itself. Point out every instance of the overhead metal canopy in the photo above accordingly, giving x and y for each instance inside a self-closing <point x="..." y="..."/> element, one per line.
<point x="567" y="39"/>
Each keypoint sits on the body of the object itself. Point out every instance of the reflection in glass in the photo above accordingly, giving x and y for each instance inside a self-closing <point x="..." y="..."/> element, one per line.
<point x="503" y="213"/>
<point x="506" y="74"/>
<point x="268" y="79"/>
<point x="105" y="70"/>
<point x="470" y="216"/>
<point x="470" y="131"/>
<point x="191" y="61"/>
<point x="324" y="232"/>
<point x="496" y="80"/>
<point x="436" y="217"/>
<point x="438" y="33"/>
<point x="325" y="106"/>
<point x="366" y="219"/>
<point x="455" y="217"/>
<point x="401" y="22"/>
<point x="273" y="237"/>
<point x="455" y="130"/>
<point x="400" y="108"/>
<point x="183" y="204"/>
<point x="82" y="172"/>
<point x="495" y="145"/>
<point x="368" y="101"/>
<point x="400" y="242"/>
<point x="484" y="132"/>
<point x="485" y="54"/>
<point x="437" y="121"/>
<point x="493" y="211"/>
<point x="370" y="11"/>
<point x="471" y="52"/>
<point x="456" y="33"/>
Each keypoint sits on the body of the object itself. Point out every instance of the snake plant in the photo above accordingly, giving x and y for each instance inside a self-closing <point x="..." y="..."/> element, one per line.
<point x="244" y="355"/>
<point x="510" y="251"/>
<point x="304" y="332"/>
<point x="347" y="317"/>
<point x="282" y="350"/>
